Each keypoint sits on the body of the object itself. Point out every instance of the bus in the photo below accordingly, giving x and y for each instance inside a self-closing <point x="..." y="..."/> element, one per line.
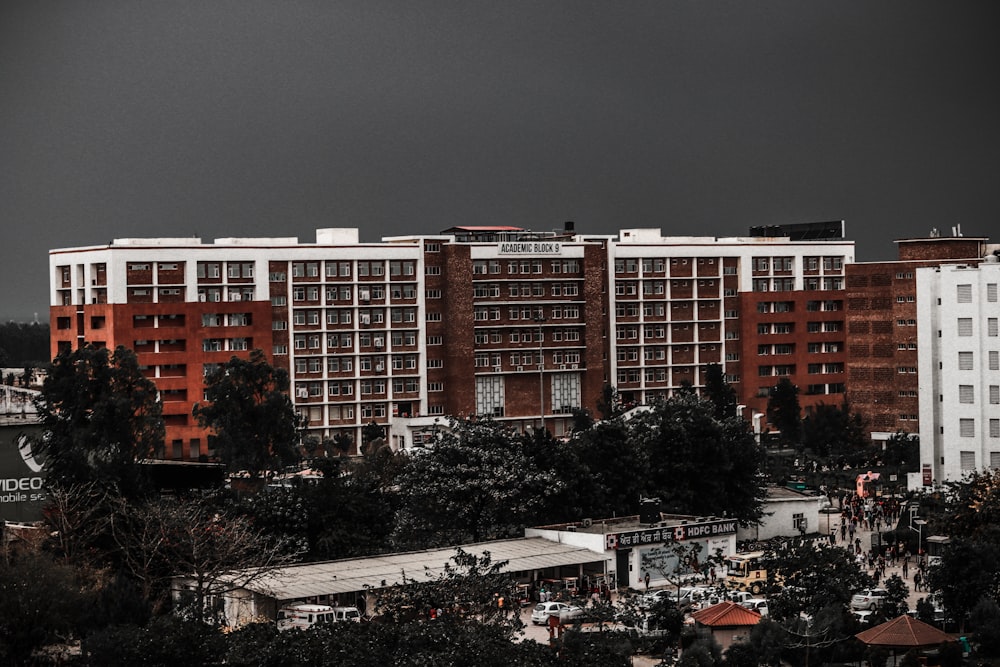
<point x="744" y="572"/>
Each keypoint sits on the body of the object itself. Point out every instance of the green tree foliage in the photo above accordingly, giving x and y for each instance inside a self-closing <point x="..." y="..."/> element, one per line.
<point x="472" y="589"/>
<point x="784" y="412"/>
<point x="720" y="392"/>
<point x="896" y="601"/>
<point x="166" y="642"/>
<point x="985" y="622"/>
<point x="598" y="470"/>
<point x="609" y="404"/>
<point x="697" y="464"/>
<point x="834" y="431"/>
<point x="968" y="570"/>
<point x="24" y="344"/>
<point x="247" y="406"/>
<point x="476" y="483"/>
<point x="811" y="578"/>
<point x="100" y="417"/>
<point x="376" y="645"/>
<point x="41" y="602"/>
<point x="902" y="450"/>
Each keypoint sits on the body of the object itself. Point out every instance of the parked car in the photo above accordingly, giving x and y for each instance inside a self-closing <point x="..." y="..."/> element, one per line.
<point x="759" y="605"/>
<point x="645" y="626"/>
<point x="348" y="614"/>
<point x="864" y="617"/>
<point x="655" y="597"/>
<point x="739" y="597"/>
<point x="869" y="598"/>
<point x="565" y="612"/>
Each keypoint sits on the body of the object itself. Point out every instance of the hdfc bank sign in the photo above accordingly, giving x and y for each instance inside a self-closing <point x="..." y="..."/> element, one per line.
<point x="678" y="533"/>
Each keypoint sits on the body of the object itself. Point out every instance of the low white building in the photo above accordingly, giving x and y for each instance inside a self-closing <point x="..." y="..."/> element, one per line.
<point x="787" y="513"/>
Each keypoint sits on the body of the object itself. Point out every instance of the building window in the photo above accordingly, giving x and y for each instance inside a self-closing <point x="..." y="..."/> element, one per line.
<point x="994" y="394"/>
<point x="967" y="460"/>
<point x="966" y="394"/>
<point x="964" y="293"/>
<point x="965" y="361"/>
<point x="965" y="326"/>
<point x="995" y="428"/>
<point x="991" y="327"/>
<point x="994" y="360"/>
<point x="967" y="427"/>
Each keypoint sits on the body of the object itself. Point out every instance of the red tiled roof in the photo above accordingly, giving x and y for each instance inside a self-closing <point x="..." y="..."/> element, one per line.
<point x="904" y="632"/>
<point x="726" y="614"/>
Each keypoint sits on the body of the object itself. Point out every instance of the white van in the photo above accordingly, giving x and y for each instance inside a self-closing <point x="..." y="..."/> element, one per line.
<point x="303" y="616"/>
<point x="348" y="614"/>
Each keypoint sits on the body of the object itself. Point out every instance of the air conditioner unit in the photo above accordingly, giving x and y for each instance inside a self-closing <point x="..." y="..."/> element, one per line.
<point x="497" y="369"/>
<point x="235" y="296"/>
<point x="202" y="297"/>
<point x="575" y="367"/>
<point x="562" y="367"/>
<point x="520" y="368"/>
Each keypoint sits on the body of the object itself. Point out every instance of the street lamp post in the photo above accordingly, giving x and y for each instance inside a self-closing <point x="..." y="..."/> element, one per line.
<point x="539" y="319"/>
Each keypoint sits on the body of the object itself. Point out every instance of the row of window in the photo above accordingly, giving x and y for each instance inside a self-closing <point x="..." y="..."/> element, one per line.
<point x="536" y="313"/>
<point x="966" y="360"/>
<point x="482" y="267"/>
<point x="964" y="293"/>
<point x="495" y="359"/>
<point x="492" y="290"/>
<point x="967" y="394"/>
<point x="967" y="427"/>
<point x="965" y="326"/>
<point x="494" y="336"/>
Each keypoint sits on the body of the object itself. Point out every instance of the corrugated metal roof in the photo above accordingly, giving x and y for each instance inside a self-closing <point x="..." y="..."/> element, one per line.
<point x="358" y="574"/>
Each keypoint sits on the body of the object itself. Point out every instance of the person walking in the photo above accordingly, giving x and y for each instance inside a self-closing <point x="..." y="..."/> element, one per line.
<point x="906" y="570"/>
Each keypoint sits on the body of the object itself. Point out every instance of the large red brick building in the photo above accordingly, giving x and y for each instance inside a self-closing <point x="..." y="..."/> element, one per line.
<point x="503" y="322"/>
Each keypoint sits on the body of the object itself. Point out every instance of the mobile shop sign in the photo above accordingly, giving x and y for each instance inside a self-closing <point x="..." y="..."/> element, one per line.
<point x="21" y="480"/>
<point x="679" y="533"/>
<point x="529" y="248"/>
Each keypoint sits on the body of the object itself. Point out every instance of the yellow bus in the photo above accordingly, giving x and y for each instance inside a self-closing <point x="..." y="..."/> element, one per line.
<point x="744" y="572"/>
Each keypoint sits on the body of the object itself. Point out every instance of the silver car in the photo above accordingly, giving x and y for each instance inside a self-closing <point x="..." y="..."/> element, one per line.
<point x="869" y="598"/>
<point x="564" y="612"/>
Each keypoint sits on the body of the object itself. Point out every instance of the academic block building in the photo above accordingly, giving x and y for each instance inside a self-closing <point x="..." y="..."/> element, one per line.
<point x="520" y="326"/>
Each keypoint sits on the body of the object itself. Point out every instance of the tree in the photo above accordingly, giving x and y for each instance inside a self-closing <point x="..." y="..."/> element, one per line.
<point x="902" y="450"/>
<point x="811" y="578"/>
<point x="696" y="463"/>
<point x="471" y="589"/>
<point x="968" y="569"/>
<point x="255" y="424"/>
<point x="895" y="603"/>
<point x="475" y="483"/>
<point x="784" y="412"/>
<point x="100" y="417"/>
<point x="832" y="430"/>
<point x="720" y="392"/>
<point x="217" y="552"/>
<point x="41" y="602"/>
<point x="597" y="469"/>
<point x="609" y="404"/>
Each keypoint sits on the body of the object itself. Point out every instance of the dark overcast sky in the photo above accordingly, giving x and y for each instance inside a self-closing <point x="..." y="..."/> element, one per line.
<point x="253" y="118"/>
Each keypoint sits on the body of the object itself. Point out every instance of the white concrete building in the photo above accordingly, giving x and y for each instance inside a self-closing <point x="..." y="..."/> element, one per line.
<point x="959" y="369"/>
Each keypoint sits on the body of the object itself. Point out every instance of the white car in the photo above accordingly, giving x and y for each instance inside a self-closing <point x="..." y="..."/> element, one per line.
<point x="655" y="597"/>
<point x="759" y="605"/>
<point x="869" y="598"/>
<point x="864" y="617"/>
<point x="564" y="612"/>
